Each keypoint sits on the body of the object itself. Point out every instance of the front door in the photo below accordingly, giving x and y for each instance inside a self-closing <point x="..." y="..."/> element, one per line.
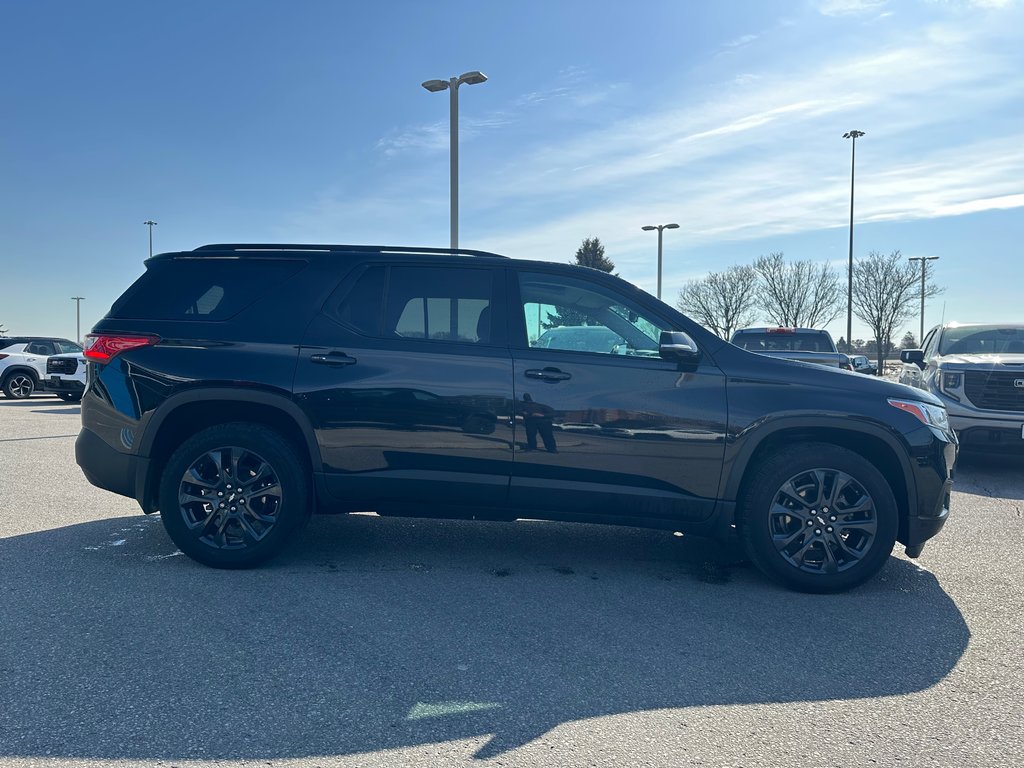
<point x="607" y="426"/>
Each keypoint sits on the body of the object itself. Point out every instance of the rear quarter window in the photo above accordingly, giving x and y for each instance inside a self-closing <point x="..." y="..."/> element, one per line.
<point x="202" y="288"/>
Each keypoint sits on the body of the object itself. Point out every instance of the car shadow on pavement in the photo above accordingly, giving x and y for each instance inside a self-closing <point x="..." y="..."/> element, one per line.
<point x="379" y="633"/>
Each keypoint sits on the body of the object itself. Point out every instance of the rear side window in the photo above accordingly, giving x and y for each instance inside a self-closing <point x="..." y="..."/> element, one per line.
<point x="433" y="303"/>
<point x="202" y="288"/>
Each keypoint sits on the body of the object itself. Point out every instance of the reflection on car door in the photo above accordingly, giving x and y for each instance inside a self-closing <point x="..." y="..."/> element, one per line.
<point x="617" y="433"/>
<point x="410" y="395"/>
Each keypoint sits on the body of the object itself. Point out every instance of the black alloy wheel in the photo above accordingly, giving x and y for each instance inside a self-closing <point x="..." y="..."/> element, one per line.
<point x="231" y="495"/>
<point x="818" y="518"/>
<point x="19" y="386"/>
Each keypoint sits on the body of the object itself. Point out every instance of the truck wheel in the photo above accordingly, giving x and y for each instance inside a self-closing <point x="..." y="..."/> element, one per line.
<point x="818" y="518"/>
<point x="232" y="495"/>
<point x="19" y="385"/>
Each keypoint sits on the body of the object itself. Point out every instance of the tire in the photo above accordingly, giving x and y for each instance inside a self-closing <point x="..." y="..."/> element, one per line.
<point x="69" y="397"/>
<point x="19" y="385"/>
<point x="232" y="529"/>
<point x="818" y="518"/>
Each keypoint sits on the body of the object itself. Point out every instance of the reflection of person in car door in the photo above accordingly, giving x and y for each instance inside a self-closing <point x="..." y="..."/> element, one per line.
<point x="538" y="418"/>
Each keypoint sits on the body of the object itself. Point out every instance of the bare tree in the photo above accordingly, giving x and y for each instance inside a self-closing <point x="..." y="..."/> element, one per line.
<point x="722" y="301"/>
<point x="885" y="293"/>
<point x="798" y="294"/>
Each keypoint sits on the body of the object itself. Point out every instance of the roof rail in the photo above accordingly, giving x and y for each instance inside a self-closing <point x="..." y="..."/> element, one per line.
<point x="325" y="248"/>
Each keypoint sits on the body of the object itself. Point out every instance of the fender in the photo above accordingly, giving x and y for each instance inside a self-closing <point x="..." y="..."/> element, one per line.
<point x="745" y="443"/>
<point x="20" y="368"/>
<point x="280" y="401"/>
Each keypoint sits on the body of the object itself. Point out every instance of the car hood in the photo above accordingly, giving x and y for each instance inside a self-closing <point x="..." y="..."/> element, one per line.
<point x="762" y="367"/>
<point x="983" y="361"/>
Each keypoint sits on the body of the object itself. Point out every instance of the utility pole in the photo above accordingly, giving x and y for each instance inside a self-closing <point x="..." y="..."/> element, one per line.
<point x="924" y="263"/>
<point x="78" y="317"/>
<point x="660" y="228"/>
<point x="849" y="276"/>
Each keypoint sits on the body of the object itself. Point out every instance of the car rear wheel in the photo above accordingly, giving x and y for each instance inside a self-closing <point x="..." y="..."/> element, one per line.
<point x="232" y="495"/>
<point x="19" y="385"/>
<point x="818" y="518"/>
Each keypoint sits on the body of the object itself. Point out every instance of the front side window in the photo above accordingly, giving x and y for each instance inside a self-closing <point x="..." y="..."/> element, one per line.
<point x="577" y="316"/>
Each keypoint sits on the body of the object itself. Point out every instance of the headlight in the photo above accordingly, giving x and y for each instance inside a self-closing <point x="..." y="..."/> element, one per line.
<point x="950" y="382"/>
<point x="932" y="415"/>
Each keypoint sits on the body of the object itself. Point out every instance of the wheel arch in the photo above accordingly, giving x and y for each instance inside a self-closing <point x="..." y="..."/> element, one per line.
<point x="873" y="444"/>
<point x="20" y="368"/>
<point x="187" y="413"/>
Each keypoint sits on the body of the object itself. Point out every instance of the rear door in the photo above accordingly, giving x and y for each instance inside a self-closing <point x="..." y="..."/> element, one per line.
<point x="407" y="379"/>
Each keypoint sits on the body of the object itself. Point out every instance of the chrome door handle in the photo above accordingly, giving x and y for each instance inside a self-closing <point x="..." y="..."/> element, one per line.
<point x="551" y="375"/>
<point x="333" y="359"/>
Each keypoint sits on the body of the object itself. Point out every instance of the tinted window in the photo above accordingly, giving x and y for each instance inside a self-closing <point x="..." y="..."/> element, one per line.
<point x="577" y="316"/>
<point x="439" y="303"/>
<point x="40" y="348"/>
<point x="64" y="347"/>
<point x="362" y="308"/>
<point x="202" y="288"/>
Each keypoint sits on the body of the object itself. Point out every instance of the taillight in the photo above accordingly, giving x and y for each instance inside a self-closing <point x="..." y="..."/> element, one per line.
<point x="102" y="348"/>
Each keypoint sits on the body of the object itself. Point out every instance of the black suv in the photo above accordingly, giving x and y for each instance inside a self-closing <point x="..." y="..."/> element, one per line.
<point x="238" y="388"/>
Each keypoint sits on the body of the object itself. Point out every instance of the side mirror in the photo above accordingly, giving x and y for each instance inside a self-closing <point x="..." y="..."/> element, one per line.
<point x="678" y="347"/>
<point x="915" y="356"/>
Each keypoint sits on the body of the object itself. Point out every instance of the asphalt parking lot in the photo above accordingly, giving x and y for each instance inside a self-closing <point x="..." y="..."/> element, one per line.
<point x="388" y="642"/>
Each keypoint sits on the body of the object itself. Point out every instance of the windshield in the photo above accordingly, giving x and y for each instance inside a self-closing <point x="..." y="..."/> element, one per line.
<point x="982" y="340"/>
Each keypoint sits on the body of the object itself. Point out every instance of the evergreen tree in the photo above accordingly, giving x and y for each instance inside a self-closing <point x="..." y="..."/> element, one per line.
<point x="589" y="254"/>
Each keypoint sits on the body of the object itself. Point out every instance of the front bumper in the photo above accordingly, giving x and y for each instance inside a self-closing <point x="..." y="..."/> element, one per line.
<point x="933" y="456"/>
<point x="60" y="384"/>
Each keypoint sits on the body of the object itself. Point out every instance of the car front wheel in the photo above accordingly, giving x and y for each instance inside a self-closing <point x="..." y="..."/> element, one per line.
<point x="19" y="385"/>
<point x="818" y="518"/>
<point x="232" y="495"/>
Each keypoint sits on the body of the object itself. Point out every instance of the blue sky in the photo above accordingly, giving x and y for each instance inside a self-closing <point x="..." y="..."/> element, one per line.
<point x="305" y="122"/>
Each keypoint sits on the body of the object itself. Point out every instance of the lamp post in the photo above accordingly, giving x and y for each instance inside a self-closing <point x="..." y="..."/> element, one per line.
<point x="150" y="224"/>
<point x="849" y="276"/>
<point x="660" y="228"/>
<point x="78" y="317"/>
<point x="924" y="260"/>
<point x="452" y="85"/>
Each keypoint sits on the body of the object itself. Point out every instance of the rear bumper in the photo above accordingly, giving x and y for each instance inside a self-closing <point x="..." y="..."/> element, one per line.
<point x="109" y="469"/>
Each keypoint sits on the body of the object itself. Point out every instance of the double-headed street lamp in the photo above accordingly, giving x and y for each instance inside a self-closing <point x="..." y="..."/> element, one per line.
<point x="150" y="224"/>
<point x="924" y="260"/>
<point x="452" y="84"/>
<point x="849" y="276"/>
<point x="660" y="228"/>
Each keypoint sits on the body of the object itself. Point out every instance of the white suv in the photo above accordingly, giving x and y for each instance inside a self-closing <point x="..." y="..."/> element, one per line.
<point x="65" y="376"/>
<point x="23" y="362"/>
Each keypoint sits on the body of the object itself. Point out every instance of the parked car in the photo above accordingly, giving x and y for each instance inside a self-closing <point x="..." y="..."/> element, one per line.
<point x="223" y="388"/>
<point x="861" y="364"/>
<point x="805" y="345"/>
<point x="977" y="371"/>
<point x="23" y="362"/>
<point x="65" y="376"/>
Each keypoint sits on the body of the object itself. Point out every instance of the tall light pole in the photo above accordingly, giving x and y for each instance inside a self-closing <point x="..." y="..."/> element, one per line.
<point x="78" y="317"/>
<point x="849" y="276"/>
<point x="924" y="263"/>
<point x="150" y="224"/>
<point x="452" y="84"/>
<point x="660" y="228"/>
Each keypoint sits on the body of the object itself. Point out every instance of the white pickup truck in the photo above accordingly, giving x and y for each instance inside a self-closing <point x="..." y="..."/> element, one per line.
<point x="805" y="345"/>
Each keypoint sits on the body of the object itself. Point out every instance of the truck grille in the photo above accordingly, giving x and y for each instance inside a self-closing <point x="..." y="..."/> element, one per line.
<point x="995" y="390"/>
<point x="64" y="365"/>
